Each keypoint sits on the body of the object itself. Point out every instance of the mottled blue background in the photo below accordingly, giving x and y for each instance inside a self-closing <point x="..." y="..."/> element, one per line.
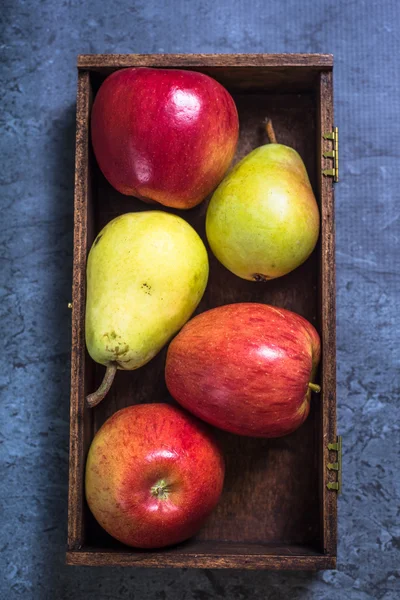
<point x="39" y="44"/>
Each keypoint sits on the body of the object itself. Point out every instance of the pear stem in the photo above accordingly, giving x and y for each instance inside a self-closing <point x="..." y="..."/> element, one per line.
<point x="97" y="396"/>
<point x="315" y="387"/>
<point x="270" y="131"/>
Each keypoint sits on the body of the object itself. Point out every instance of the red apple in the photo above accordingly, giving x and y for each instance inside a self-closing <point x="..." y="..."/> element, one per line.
<point x="153" y="475"/>
<point x="163" y="134"/>
<point x="246" y="368"/>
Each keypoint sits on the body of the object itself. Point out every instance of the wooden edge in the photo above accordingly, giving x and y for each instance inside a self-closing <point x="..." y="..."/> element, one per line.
<point x="96" y="61"/>
<point x="328" y="310"/>
<point x="76" y="458"/>
<point x="203" y="561"/>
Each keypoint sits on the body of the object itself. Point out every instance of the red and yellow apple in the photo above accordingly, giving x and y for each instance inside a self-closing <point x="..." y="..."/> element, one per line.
<point x="164" y="135"/>
<point x="153" y="475"/>
<point x="246" y="368"/>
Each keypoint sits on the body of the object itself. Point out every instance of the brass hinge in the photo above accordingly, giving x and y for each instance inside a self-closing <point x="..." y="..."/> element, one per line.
<point x="336" y="466"/>
<point x="334" y="154"/>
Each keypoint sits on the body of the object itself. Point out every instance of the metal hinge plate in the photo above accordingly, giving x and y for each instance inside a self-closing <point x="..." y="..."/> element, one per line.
<point x="336" y="466"/>
<point x="333" y="154"/>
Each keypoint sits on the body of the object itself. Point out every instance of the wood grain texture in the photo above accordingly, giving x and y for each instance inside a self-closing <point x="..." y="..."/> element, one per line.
<point x="80" y="420"/>
<point x="218" y="556"/>
<point x="293" y="73"/>
<point x="118" y="61"/>
<point x="203" y="561"/>
<point x="274" y="494"/>
<point x="327" y="315"/>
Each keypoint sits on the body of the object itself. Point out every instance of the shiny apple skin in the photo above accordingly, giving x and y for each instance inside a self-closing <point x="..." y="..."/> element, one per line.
<point x="164" y="135"/>
<point x="245" y="368"/>
<point x="134" y="450"/>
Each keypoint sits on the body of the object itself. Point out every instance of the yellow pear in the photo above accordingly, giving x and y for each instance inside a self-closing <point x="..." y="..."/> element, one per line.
<point x="146" y="274"/>
<point x="263" y="220"/>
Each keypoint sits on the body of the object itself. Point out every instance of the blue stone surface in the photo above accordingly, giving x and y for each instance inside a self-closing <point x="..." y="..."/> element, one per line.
<point x="39" y="44"/>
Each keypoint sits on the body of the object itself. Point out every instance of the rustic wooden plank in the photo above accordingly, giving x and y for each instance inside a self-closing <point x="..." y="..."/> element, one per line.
<point x="201" y="561"/>
<point x="78" y="412"/>
<point x="328" y="316"/>
<point x="95" y="61"/>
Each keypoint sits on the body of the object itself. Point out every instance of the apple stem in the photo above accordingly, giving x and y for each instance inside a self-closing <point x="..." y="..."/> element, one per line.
<point x="270" y="131"/>
<point x="97" y="396"/>
<point x="315" y="387"/>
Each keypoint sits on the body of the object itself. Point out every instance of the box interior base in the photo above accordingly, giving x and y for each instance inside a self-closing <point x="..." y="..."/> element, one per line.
<point x="271" y="501"/>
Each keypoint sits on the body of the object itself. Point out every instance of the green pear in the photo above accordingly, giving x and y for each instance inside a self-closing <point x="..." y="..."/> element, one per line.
<point x="263" y="220"/>
<point x="146" y="274"/>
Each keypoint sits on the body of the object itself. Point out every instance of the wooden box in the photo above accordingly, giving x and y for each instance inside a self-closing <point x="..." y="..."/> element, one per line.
<point x="276" y="511"/>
